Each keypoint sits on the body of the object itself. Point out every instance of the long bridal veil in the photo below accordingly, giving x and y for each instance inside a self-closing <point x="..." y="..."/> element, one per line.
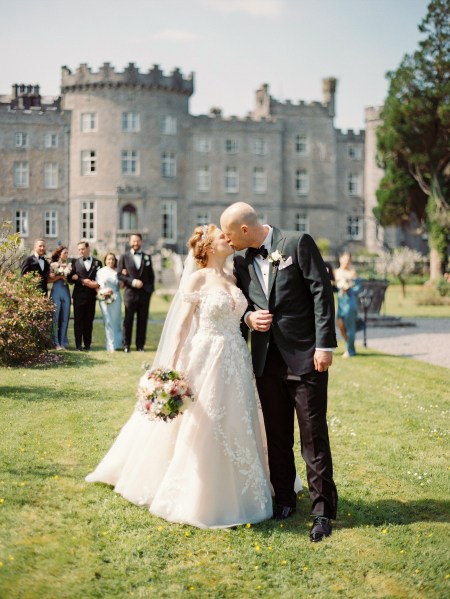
<point x="166" y="346"/>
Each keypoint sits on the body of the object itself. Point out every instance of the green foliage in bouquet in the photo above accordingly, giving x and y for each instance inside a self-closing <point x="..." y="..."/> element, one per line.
<point x="26" y="319"/>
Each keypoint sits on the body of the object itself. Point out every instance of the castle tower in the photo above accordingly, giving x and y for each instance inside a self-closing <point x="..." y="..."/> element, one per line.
<point x="329" y="95"/>
<point x="128" y="142"/>
<point x="373" y="175"/>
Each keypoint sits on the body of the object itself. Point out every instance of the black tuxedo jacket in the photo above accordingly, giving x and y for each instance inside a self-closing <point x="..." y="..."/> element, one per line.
<point x="144" y="273"/>
<point x="31" y="264"/>
<point x="82" y="294"/>
<point x="300" y="297"/>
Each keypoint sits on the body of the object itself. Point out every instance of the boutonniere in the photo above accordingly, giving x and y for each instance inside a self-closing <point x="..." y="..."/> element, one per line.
<point x="276" y="258"/>
<point x="146" y="260"/>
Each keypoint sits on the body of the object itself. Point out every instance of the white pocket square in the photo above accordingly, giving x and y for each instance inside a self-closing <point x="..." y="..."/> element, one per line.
<point x="286" y="263"/>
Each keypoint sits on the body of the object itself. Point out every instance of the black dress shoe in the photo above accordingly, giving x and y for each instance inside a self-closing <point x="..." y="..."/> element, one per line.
<point x="281" y="512"/>
<point x="140" y="349"/>
<point x="126" y="350"/>
<point x="79" y="349"/>
<point x="321" y="528"/>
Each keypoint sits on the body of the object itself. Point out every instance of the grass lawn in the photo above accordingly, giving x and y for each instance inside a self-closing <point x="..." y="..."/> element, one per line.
<point x="397" y="305"/>
<point x="62" y="538"/>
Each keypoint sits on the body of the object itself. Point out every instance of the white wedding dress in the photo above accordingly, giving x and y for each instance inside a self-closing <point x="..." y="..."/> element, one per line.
<point x="208" y="467"/>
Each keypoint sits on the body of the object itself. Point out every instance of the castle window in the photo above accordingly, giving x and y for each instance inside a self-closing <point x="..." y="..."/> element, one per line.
<point x="301" y="145"/>
<point x="354" y="152"/>
<point x="168" y="165"/>
<point x="51" y="223"/>
<point x="354" y="184"/>
<point x="21" y="174"/>
<point x="259" y="180"/>
<point x="21" y="140"/>
<point x="202" y="218"/>
<point x="131" y="122"/>
<point x="88" y="220"/>
<point x="50" y="175"/>
<point x="88" y="121"/>
<point x="21" y="222"/>
<point x="231" y="146"/>
<point x="231" y="179"/>
<point x="301" y="182"/>
<point x="128" y="218"/>
<point x="354" y="228"/>
<point x="169" y="221"/>
<point x="50" y="140"/>
<point x="259" y="147"/>
<point x="204" y="178"/>
<point x="169" y="125"/>
<point x="302" y="222"/>
<point x="203" y="144"/>
<point x="130" y="162"/>
<point x="88" y="162"/>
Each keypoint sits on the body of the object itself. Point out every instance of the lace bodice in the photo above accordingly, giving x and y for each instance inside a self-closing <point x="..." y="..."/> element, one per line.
<point x="219" y="311"/>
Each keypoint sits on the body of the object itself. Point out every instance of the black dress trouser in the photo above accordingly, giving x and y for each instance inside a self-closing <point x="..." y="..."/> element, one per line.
<point x="83" y="321"/>
<point x="280" y="398"/>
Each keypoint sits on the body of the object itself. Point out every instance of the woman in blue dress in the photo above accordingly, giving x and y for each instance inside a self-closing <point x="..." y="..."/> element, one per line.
<point x="349" y="286"/>
<point x="110" y="302"/>
<point x="60" y="294"/>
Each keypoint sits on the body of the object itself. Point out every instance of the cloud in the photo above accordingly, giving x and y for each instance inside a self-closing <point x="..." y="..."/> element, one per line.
<point x="175" y="35"/>
<point x="255" y="8"/>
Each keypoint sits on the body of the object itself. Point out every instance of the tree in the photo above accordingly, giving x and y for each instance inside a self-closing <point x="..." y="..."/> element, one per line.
<point x="400" y="263"/>
<point x="413" y="141"/>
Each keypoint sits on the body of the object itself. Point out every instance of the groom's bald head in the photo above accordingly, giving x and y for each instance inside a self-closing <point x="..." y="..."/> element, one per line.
<point x="240" y="224"/>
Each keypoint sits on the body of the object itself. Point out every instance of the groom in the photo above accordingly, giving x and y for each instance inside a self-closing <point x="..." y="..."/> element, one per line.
<point x="291" y="318"/>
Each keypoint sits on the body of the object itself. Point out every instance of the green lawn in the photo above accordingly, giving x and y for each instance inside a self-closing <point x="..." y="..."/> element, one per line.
<point x="408" y="307"/>
<point x="62" y="538"/>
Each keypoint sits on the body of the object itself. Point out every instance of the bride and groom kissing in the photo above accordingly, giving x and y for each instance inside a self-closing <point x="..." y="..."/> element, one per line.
<point x="209" y="468"/>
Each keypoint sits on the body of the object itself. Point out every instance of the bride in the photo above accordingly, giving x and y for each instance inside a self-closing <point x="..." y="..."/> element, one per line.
<point x="207" y="467"/>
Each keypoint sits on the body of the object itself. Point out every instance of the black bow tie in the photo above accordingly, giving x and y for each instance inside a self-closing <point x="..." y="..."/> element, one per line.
<point x="86" y="259"/>
<point x="137" y="253"/>
<point x="262" y="251"/>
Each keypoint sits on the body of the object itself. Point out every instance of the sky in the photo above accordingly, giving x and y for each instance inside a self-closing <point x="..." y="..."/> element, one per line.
<point x="231" y="46"/>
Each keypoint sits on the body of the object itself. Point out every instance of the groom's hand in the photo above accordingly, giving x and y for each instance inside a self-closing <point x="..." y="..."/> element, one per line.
<point x="260" y="320"/>
<point x="322" y="360"/>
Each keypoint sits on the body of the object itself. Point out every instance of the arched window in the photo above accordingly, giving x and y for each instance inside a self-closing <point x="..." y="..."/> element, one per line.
<point x="128" y="218"/>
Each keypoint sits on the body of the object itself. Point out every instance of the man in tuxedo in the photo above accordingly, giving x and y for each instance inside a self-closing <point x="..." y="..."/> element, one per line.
<point x="37" y="263"/>
<point x="83" y="276"/>
<point x="136" y="272"/>
<point x="291" y="319"/>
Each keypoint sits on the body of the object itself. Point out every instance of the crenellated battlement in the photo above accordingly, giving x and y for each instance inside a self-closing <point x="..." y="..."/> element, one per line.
<point x="85" y="78"/>
<point x="350" y="135"/>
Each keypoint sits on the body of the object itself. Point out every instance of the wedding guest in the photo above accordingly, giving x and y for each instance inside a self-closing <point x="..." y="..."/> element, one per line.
<point x="83" y="275"/>
<point x="136" y="272"/>
<point x="60" y="294"/>
<point x="349" y="287"/>
<point x="110" y="302"/>
<point x="37" y="263"/>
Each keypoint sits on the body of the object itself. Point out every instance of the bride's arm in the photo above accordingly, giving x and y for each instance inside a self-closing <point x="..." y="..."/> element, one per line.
<point x="185" y="316"/>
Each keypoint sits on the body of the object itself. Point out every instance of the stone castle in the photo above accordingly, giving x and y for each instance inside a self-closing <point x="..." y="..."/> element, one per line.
<point x="119" y="152"/>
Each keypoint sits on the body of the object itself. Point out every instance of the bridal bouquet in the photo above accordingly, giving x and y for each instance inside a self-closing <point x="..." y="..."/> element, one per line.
<point x="163" y="394"/>
<point x="60" y="269"/>
<point x="106" y="295"/>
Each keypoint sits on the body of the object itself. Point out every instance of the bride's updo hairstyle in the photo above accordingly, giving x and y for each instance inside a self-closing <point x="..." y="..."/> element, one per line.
<point x="200" y="241"/>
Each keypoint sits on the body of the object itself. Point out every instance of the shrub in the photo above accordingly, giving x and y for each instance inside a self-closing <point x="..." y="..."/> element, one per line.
<point x="11" y="250"/>
<point x="26" y="319"/>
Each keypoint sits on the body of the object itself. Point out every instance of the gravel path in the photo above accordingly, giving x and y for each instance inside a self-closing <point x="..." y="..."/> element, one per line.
<point x="428" y="341"/>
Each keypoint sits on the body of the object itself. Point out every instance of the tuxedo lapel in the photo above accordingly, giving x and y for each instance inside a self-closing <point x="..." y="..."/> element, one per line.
<point x="131" y="266"/>
<point x="277" y="244"/>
